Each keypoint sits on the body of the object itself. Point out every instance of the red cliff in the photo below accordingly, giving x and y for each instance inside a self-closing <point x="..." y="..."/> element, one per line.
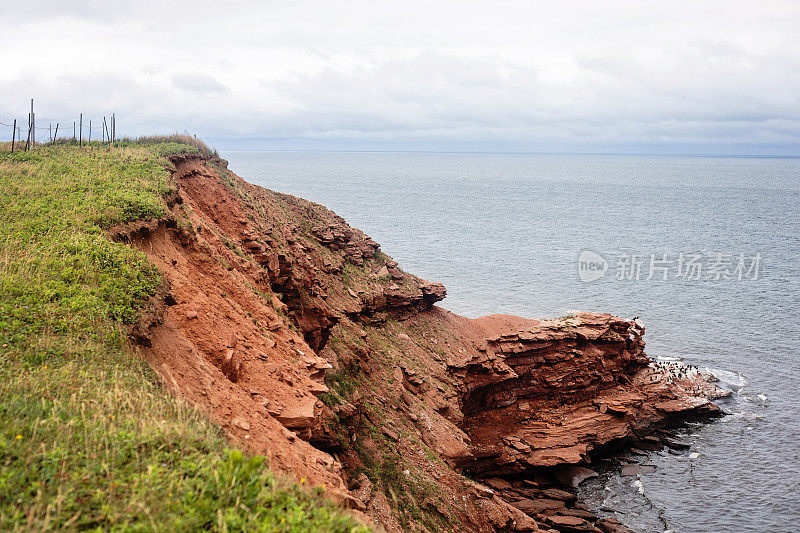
<point x="306" y="343"/>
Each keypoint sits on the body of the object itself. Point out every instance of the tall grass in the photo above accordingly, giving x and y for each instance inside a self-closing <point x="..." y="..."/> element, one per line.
<point x="185" y="141"/>
<point x="88" y="439"/>
<point x="175" y="138"/>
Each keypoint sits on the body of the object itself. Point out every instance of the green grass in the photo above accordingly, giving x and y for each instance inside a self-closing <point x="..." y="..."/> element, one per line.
<point x="380" y="460"/>
<point x="88" y="439"/>
<point x="408" y="493"/>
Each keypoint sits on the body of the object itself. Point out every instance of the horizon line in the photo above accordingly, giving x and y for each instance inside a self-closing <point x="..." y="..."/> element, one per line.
<point x="492" y="152"/>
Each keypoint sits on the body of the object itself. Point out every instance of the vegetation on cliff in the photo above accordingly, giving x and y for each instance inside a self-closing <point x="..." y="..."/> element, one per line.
<point x="88" y="437"/>
<point x="279" y="330"/>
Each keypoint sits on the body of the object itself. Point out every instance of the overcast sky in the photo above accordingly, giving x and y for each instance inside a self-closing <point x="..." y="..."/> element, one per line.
<point x="636" y="76"/>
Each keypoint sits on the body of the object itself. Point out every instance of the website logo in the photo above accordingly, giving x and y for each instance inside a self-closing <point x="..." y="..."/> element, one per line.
<point x="591" y="266"/>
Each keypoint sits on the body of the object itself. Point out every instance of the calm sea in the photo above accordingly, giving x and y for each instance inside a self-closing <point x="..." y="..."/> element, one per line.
<point x="504" y="233"/>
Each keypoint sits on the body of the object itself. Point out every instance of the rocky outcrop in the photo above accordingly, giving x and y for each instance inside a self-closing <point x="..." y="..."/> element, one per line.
<point x="337" y="235"/>
<point x="552" y="362"/>
<point x="308" y="344"/>
<point x="302" y="268"/>
<point x="558" y="391"/>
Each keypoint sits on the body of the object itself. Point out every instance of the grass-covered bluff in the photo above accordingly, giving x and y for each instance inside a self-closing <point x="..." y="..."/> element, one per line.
<point x="88" y="438"/>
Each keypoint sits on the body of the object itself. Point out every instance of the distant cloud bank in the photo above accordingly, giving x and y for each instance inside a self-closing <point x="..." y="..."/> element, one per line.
<point x="700" y="77"/>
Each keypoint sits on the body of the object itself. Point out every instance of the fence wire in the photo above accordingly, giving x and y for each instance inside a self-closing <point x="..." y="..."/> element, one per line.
<point x="43" y="132"/>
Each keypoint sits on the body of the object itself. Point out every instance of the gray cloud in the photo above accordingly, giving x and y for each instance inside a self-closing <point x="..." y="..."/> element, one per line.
<point x="510" y="75"/>
<point x="197" y="82"/>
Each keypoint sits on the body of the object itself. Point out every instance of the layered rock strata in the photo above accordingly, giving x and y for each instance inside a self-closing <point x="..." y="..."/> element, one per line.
<point x="308" y="344"/>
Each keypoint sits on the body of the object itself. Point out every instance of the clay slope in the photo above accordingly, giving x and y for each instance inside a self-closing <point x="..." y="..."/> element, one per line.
<point x="296" y="334"/>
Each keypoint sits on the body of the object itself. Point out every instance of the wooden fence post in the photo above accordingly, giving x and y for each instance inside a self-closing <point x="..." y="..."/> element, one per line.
<point x="14" y="136"/>
<point x="90" y="132"/>
<point x="80" y="135"/>
<point x="56" y="135"/>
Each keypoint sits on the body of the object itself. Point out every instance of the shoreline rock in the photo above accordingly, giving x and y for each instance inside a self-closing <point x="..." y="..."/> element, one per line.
<point x="295" y="333"/>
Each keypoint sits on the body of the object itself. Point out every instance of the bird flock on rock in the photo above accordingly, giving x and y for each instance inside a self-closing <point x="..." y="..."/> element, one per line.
<point x="673" y="371"/>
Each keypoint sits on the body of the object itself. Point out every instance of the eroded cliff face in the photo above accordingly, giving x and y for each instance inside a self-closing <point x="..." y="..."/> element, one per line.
<point x="551" y="363"/>
<point x="307" y="344"/>
<point x="552" y="392"/>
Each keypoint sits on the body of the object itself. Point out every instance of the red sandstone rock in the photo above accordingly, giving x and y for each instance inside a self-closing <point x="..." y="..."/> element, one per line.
<point x="568" y="523"/>
<point x="558" y="494"/>
<point x="562" y="370"/>
<point x="501" y="395"/>
<point x="537" y="506"/>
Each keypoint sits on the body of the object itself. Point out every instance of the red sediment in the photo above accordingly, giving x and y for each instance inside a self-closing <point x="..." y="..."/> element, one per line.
<point x="265" y="293"/>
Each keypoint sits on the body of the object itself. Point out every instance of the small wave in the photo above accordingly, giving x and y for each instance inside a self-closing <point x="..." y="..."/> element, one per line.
<point x="639" y="486"/>
<point x="669" y="358"/>
<point x="759" y="400"/>
<point x="734" y="379"/>
<point x="694" y="455"/>
<point x="742" y="415"/>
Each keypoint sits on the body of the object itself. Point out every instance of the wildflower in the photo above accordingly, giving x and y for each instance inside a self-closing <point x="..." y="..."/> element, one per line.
<point x="303" y="480"/>
<point x="19" y="437"/>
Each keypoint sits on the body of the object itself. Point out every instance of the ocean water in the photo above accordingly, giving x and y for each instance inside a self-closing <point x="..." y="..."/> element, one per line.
<point x="504" y="234"/>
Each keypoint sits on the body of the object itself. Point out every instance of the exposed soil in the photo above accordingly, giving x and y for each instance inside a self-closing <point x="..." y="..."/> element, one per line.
<point x="430" y="421"/>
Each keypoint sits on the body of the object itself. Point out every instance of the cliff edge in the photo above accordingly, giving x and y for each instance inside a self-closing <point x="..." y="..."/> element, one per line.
<point x="306" y="343"/>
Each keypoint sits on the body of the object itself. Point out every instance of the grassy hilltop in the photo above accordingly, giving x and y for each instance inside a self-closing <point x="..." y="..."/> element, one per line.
<point x="88" y="437"/>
